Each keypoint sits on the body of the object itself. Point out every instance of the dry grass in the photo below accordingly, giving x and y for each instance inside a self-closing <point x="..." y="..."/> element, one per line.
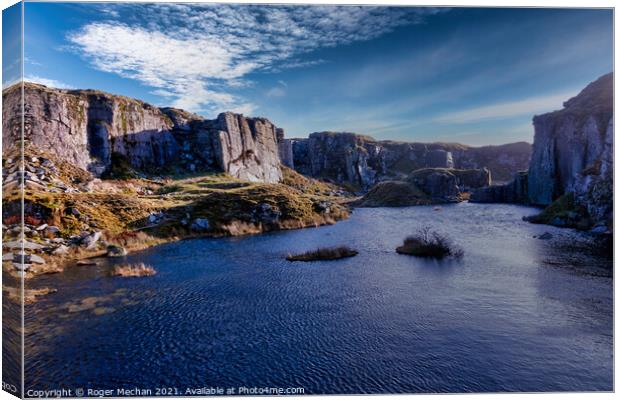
<point x="325" y="253"/>
<point x="133" y="240"/>
<point x="133" y="270"/>
<point x="428" y="243"/>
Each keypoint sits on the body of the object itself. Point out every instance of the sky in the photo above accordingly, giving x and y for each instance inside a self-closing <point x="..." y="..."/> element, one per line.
<point x="469" y="75"/>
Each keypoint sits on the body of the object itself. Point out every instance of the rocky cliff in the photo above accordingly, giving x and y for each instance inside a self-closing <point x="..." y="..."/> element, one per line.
<point x="573" y="153"/>
<point x="93" y="129"/>
<point x="425" y="186"/>
<point x="363" y="161"/>
<point x="571" y="169"/>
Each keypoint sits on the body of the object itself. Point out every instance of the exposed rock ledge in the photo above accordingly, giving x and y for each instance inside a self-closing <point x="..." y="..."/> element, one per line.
<point x="361" y="161"/>
<point x="92" y="130"/>
<point x="425" y="186"/>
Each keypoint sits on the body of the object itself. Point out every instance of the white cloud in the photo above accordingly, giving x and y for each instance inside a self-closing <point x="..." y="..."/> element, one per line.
<point x="528" y="106"/>
<point x="276" y="91"/>
<point x="47" y="82"/>
<point x="198" y="53"/>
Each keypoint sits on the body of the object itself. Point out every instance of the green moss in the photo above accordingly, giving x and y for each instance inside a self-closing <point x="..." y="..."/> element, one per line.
<point x="564" y="212"/>
<point x="394" y="194"/>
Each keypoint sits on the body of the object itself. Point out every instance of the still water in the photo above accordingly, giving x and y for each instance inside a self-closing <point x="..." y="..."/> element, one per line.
<point x="516" y="313"/>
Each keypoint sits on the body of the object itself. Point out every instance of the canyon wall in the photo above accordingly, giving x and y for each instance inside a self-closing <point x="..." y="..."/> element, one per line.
<point x="95" y="131"/>
<point x="363" y="161"/>
<point x="573" y="152"/>
<point x="88" y="128"/>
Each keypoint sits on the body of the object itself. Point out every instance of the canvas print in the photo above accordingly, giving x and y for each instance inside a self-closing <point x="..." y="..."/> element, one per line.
<point x="236" y="199"/>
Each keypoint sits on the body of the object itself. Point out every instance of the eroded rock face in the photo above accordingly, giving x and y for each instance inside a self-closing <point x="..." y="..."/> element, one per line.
<point x="363" y="161"/>
<point x="247" y="147"/>
<point x="573" y="151"/>
<point x="87" y="127"/>
<point x="438" y="183"/>
<point x="285" y="149"/>
<point x="514" y="191"/>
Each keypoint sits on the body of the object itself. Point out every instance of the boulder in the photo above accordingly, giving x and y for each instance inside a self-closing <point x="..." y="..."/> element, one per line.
<point x="53" y="229"/>
<point x="35" y="259"/>
<point x="61" y="250"/>
<point x="115" y="251"/>
<point x="200" y="225"/>
<point x="90" y="241"/>
<point x="17" y="244"/>
<point x="266" y="213"/>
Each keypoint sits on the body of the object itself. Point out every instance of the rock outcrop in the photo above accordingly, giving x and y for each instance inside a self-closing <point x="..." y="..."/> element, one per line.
<point x="573" y="153"/>
<point x="439" y="184"/>
<point x="91" y="129"/>
<point x="425" y="186"/>
<point x="571" y="169"/>
<point x="362" y="161"/>
<point x="514" y="191"/>
<point x="285" y="149"/>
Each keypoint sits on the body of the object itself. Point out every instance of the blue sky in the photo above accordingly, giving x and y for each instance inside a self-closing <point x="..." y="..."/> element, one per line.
<point x="469" y="75"/>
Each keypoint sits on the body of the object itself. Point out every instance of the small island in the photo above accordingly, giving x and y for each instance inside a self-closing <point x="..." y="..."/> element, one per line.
<point x="324" y="254"/>
<point x="428" y="243"/>
<point x="133" y="270"/>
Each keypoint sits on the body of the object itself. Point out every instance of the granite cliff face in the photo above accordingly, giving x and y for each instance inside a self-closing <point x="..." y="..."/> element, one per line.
<point x="573" y="152"/>
<point x="92" y="129"/>
<point x="363" y="161"/>
<point x="97" y="131"/>
<point x="571" y="170"/>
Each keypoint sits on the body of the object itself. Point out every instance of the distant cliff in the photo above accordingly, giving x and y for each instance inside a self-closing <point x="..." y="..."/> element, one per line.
<point x="99" y="132"/>
<point x="363" y="161"/>
<point x="93" y="129"/>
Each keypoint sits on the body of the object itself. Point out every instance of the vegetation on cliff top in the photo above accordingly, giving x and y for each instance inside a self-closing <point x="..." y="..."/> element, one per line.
<point x="393" y="194"/>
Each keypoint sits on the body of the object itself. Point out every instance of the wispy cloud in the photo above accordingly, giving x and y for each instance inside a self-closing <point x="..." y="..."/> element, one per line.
<point x="528" y="106"/>
<point x="47" y="82"/>
<point x="198" y="53"/>
<point x="277" y="91"/>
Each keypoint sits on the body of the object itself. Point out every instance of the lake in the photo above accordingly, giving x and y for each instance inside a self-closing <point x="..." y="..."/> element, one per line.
<point x="516" y="313"/>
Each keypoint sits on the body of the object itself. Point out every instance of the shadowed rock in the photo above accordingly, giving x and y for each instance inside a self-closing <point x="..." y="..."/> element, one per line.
<point x="573" y="153"/>
<point x="363" y="161"/>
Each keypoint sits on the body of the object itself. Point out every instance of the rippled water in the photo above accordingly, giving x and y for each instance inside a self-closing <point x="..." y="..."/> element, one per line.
<point x="515" y="314"/>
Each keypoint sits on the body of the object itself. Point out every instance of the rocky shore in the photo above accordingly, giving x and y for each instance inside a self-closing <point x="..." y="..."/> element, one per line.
<point x="72" y="215"/>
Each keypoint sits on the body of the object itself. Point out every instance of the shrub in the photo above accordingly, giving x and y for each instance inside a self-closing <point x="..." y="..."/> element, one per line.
<point x="325" y="253"/>
<point x="428" y="243"/>
<point x="133" y="270"/>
